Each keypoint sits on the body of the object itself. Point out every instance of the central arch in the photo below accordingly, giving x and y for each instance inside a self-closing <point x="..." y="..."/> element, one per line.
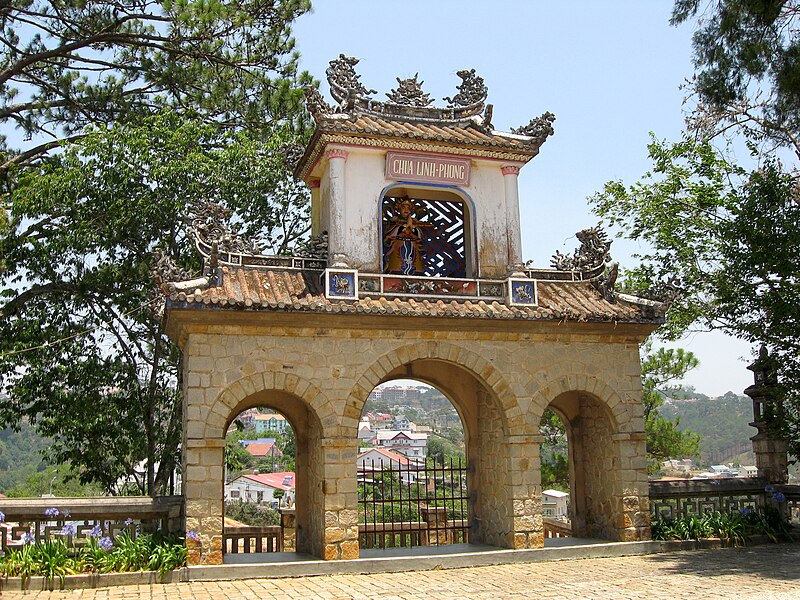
<point x="486" y="406"/>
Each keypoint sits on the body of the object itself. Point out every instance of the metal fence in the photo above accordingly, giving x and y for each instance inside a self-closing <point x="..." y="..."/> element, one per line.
<point x="406" y="505"/>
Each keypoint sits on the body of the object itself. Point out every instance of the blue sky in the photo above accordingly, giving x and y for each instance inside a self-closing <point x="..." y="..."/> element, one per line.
<point x="610" y="72"/>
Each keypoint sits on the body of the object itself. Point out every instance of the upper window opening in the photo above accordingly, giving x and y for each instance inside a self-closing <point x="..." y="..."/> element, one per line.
<point x="424" y="236"/>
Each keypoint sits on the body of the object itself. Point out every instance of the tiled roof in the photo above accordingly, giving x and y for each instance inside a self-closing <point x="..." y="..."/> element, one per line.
<point x="391" y="455"/>
<point x="452" y="133"/>
<point x="262" y="449"/>
<point x="245" y="288"/>
<point x="274" y="480"/>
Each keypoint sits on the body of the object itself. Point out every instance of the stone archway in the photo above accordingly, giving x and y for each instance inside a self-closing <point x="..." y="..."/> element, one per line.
<point x="305" y="406"/>
<point x="608" y="481"/>
<point x="500" y="479"/>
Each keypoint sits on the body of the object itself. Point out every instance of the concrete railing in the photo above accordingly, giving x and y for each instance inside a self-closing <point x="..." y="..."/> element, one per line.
<point x="675" y="499"/>
<point x="38" y="519"/>
<point x="553" y="528"/>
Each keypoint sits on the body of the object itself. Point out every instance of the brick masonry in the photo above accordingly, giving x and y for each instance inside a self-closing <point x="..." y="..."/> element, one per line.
<point x="500" y="381"/>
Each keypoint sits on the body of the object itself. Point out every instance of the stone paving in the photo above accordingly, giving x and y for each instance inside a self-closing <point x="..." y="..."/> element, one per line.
<point x="763" y="573"/>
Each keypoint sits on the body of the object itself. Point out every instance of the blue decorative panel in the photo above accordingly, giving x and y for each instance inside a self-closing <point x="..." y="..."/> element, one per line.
<point x="522" y="291"/>
<point x="341" y="284"/>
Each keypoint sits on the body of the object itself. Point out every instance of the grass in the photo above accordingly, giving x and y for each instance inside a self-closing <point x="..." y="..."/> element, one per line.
<point x="733" y="528"/>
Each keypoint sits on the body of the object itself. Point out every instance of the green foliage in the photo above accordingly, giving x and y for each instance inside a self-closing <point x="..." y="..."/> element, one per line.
<point x="252" y="513"/>
<point x="66" y="65"/>
<point x="731" y="238"/>
<point x="731" y="527"/>
<point x="60" y="479"/>
<point x="20" y="455"/>
<point x="554" y="452"/>
<point x="83" y="353"/>
<point x="664" y="438"/>
<point x="722" y="423"/>
<point x="443" y="450"/>
<point x="748" y="59"/>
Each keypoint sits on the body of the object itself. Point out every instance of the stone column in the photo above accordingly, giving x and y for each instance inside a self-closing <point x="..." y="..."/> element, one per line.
<point x="340" y="496"/>
<point x="316" y="207"/>
<point x="203" y="491"/>
<point x="337" y="236"/>
<point x="526" y="491"/>
<point x="513" y="233"/>
<point x="288" y="530"/>
<point x="435" y="518"/>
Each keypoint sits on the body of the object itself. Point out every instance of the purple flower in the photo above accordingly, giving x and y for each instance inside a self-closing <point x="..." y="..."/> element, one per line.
<point x="768" y="488"/>
<point x="2" y="517"/>
<point x="68" y="530"/>
<point x="128" y="521"/>
<point x="193" y="535"/>
<point x="28" y="538"/>
<point x="779" y="497"/>
<point x="96" y="531"/>
<point x="746" y="510"/>
<point x="105" y="543"/>
<point x="51" y="512"/>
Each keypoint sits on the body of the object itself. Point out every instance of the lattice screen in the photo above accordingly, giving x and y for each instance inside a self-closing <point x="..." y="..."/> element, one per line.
<point x="444" y="245"/>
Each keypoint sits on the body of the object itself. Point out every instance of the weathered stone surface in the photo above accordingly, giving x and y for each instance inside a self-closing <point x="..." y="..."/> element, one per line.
<point x="502" y="382"/>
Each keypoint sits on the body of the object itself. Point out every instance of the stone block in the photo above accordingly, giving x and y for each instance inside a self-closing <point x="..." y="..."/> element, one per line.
<point x="330" y="552"/>
<point x="333" y="535"/>
<point x="350" y="550"/>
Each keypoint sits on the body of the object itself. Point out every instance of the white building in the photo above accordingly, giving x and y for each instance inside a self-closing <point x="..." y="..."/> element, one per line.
<point x="555" y="504"/>
<point x="377" y="459"/>
<point x="261" y="488"/>
<point x="413" y="445"/>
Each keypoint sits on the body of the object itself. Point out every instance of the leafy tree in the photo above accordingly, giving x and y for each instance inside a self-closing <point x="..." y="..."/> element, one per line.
<point x="83" y="354"/>
<point x="67" y="64"/>
<point x="731" y="238"/>
<point x="747" y="54"/>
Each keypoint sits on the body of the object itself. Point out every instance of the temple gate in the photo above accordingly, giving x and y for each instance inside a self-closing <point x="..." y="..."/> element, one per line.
<point x="416" y="271"/>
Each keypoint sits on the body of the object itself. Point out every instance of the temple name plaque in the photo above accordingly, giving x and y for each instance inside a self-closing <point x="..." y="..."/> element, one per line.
<point x="426" y="168"/>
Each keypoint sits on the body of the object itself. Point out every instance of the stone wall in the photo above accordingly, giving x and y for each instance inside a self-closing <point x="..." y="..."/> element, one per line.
<point x="320" y="377"/>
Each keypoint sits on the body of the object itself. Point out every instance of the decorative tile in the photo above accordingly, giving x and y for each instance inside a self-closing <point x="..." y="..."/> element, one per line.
<point x="522" y="292"/>
<point x="341" y="284"/>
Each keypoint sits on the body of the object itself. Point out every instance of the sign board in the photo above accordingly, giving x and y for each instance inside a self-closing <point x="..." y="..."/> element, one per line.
<point x="427" y="168"/>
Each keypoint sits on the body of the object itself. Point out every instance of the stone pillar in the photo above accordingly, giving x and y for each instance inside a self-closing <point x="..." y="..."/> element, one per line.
<point x="316" y="207"/>
<point x="513" y="232"/>
<point x="340" y="497"/>
<point x="435" y="518"/>
<point x="769" y="445"/>
<point x="203" y="491"/>
<point x="288" y="530"/>
<point x="337" y="235"/>
<point x="632" y="494"/>
<point x="526" y="491"/>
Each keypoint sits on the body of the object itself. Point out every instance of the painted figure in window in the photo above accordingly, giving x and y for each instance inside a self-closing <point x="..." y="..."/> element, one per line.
<point x="402" y="240"/>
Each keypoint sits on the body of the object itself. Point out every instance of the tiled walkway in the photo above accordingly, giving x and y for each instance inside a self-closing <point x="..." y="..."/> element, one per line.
<point x="763" y="573"/>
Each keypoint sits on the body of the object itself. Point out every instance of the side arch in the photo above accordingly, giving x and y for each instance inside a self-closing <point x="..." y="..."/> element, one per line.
<point x="253" y="390"/>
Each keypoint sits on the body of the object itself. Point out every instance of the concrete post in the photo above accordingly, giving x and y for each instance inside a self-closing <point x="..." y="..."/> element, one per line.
<point x="337" y="242"/>
<point x="435" y="518"/>
<point x="288" y="530"/>
<point x="513" y="233"/>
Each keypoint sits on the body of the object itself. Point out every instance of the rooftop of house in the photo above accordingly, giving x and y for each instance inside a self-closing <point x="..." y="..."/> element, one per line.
<point x="258" y="449"/>
<point x="280" y="481"/>
<point x="394" y="456"/>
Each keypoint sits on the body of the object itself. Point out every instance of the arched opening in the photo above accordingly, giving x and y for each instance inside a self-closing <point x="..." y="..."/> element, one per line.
<point x="585" y="453"/>
<point x="555" y="475"/>
<point x="412" y="469"/>
<point x="427" y="231"/>
<point x="272" y="462"/>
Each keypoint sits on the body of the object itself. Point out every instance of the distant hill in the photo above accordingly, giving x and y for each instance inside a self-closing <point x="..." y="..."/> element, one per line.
<point x="722" y="422"/>
<point x="20" y="456"/>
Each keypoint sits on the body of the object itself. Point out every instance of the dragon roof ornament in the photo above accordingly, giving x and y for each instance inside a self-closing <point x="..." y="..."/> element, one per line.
<point x="539" y="128"/>
<point x="408" y="100"/>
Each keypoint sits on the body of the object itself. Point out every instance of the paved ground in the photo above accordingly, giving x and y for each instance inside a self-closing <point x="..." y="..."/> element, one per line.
<point x="763" y="572"/>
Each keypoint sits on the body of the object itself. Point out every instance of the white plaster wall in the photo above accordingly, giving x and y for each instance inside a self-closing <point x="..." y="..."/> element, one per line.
<point x="364" y="182"/>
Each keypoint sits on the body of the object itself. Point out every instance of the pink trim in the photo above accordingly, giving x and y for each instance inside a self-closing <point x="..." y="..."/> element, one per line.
<point x="337" y="153"/>
<point x="313" y="183"/>
<point x="509" y="170"/>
